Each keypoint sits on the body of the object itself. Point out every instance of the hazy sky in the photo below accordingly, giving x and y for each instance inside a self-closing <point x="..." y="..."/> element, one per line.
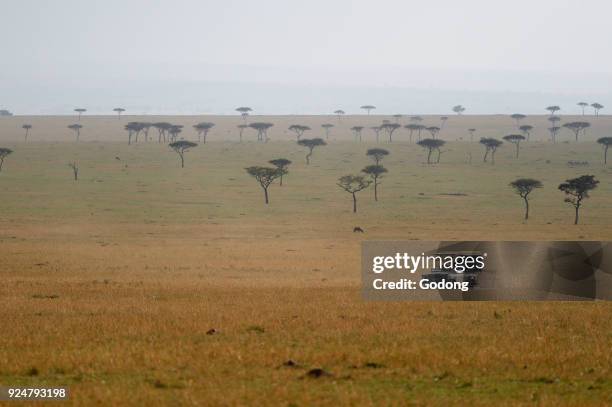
<point x="553" y="47"/>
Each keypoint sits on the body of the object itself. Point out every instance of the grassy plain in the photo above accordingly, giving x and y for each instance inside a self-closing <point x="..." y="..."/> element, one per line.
<point x="109" y="284"/>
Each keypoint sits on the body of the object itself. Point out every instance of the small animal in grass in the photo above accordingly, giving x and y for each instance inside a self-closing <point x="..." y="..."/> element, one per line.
<point x="357" y="229"/>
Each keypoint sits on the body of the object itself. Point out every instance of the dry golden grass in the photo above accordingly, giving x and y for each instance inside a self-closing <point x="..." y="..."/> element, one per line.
<point x="110" y="284"/>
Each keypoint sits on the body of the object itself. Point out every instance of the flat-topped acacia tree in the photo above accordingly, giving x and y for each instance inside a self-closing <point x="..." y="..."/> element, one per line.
<point x="162" y="130"/>
<point x="443" y="120"/>
<point x="368" y="108"/>
<point x="244" y="112"/>
<point x="174" y="131"/>
<point x="577" y="128"/>
<point x="577" y="190"/>
<point x="375" y="172"/>
<point x="339" y="113"/>
<point x="526" y="130"/>
<point x="133" y="129"/>
<point x="27" y="128"/>
<point x="491" y="145"/>
<point x="377" y="154"/>
<point x="281" y="164"/>
<point x="390" y="128"/>
<point x="262" y="130"/>
<point x="357" y="132"/>
<point x="299" y="130"/>
<point x="311" y="144"/>
<point x="202" y="129"/>
<point x="353" y="184"/>
<point x="416" y="118"/>
<point x="4" y="152"/>
<point x="605" y="142"/>
<point x="516" y="140"/>
<point x="265" y="176"/>
<point x="553" y="109"/>
<point x="517" y="117"/>
<point x="377" y="130"/>
<point x="327" y="127"/>
<point x="459" y="109"/>
<point x="583" y="105"/>
<point x="80" y="111"/>
<point x="397" y="117"/>
<point x="181" y="147"/>
<point x="431" y="145"/>
<point x="523" y="187"/>
<point x="77" y="130"/>
<point x="118" y="110"/>
<point x="554" y="131"/>
<point x="411" y="127"/>
<point x="597" y="107"/>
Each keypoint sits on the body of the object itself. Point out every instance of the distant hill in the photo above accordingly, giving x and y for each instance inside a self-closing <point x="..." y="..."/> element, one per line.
<point x="5" y="113"/>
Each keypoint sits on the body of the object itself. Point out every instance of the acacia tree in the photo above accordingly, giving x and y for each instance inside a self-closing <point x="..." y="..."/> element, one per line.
<point x="597" y="107"/>
<point x="583" y="105"/>
<point x="491" y="145"/>
<point x="265" y="176"/>
<point x="523" y="187"/>
<point x="577" y="127"/>
<point x="397" y="117"/>
<point x="202" y="129"/>
<point x="368" y="108"/>
<point x="181" y="147"/>
<point x="577" y="189"/>
<point x="517" y="117"/>
<point x="77" y="130"/>
<point x="244" y="112"/>
<point x="411" y="127"/>
<point x="299" y="130"/>
<point x="162" y="130"/>
<point x="357" y="131"/>
<point x="262" y="130"/>
<point x="27" y="128"/>
<point x="377" y="130"/>
<point x="327" y="127"/>
<point x="118" y="110"/>
<point x="416" y="118"/>
<point x="433" y="130"/>
<point x="146" y="126"/>
<point x="458" y="109"/>
<point x="554" y="130"/>
<point x="75" y="169"/>
<point x="553" y="109"/>
<point x="431" y="145"/>
<point x="339" y="113"/>
<point x="174" y="131"/>
<point x="133" y="128"/>
<point x="80" y="111"/>
<point x="390" y="128"/>
<point x="471" y="131"/>
<point x="526" y="129"/>
<point x="377" y="154"/>
<point x="311" y="144"/>
<point x="516" y="140"/>
<point x="375" y="172"/>
<point x="281" y="164"/>
<point x="241" y="128"/>
<point x="353" y="184"/>
<point x="4" y="152"/>
<point x="605" y="142"/>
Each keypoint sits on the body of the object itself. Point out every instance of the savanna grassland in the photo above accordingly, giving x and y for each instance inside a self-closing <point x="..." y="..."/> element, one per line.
<point x="111" y="284"/>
